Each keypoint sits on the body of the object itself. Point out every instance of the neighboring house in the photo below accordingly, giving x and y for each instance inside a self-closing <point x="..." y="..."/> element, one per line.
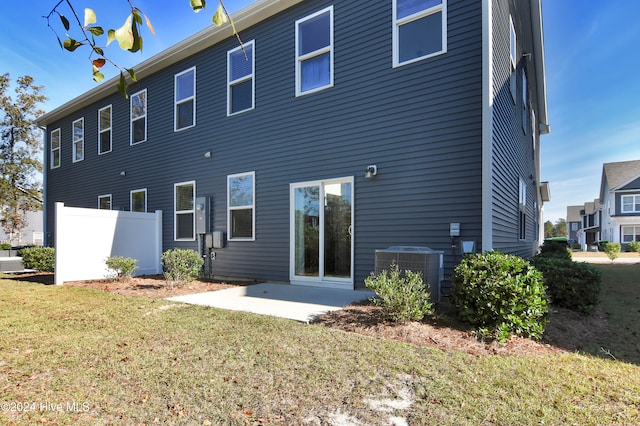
<point x="32" y="233"/>
<point x="620" y="199"/>
<point x="441" y="103"/>
<point x="574" y="223"/>
<point x="590" y="215"/>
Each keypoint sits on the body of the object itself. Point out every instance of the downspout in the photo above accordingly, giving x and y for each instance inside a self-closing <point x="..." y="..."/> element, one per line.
<point x="45" y="167"/>
<point x="487" y="125"/>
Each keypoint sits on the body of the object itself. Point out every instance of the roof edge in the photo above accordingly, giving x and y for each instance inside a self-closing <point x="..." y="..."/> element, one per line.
<point x="541" y="79"/>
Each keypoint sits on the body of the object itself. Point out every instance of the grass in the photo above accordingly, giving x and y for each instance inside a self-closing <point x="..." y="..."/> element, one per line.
<point x="122" y="360"/>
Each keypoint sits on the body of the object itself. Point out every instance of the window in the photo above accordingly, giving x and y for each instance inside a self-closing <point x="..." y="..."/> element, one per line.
<point x="138" y="200"/>
<point x="185" y="99"/>
<point x="55" y="149"/>
<point x="184" y="209"/>
<point x="525" y="102"/>
<point x="630" y="233"/>
<point x="513" y="52"/>
<point x="241" y="204"/>
<point x="574" y="226"/>
<point x="631" y="204"/>
<point x="104" y="130"/>
<point x="78" y="140"/>
<point x="419" y="30"/>
<point x="139" y="117"/>
<point x="104" y="202"/>
<point x="314" y="52"/>
<point x="522" y="207"/>
<point x="240" y="78"/>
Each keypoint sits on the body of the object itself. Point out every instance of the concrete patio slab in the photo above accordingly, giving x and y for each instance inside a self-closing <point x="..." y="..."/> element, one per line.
<point x="281" y="300"/>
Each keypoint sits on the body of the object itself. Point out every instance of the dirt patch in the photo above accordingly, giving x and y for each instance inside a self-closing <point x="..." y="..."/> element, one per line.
<point x="567" y="331"/>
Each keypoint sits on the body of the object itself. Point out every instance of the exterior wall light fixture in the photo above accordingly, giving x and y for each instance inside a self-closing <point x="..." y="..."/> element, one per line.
<point x="371" y="171"/>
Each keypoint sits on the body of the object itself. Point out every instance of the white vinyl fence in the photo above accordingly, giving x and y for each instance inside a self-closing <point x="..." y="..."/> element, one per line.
<point x="85" y="238"/>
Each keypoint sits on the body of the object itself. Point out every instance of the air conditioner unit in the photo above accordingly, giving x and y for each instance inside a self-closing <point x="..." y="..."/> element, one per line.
<point x="417" y="259"/>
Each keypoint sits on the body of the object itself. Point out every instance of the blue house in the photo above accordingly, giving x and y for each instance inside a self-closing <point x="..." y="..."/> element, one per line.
<point x="335" y="130"/>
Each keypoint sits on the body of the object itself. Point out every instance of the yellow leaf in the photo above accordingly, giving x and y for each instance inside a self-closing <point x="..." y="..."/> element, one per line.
<point x="220" y="17"/>
<point x="149" y="25"/>
<point x="124" y="35"/>
<point x="89" y="17"/>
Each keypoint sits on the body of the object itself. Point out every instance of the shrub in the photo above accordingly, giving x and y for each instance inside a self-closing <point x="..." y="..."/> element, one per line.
<point x="39" y="258"/>
<point x="612" y="250"/>
<point x="122" y="267"/>
<point x="5" y="246"/>
<point x="181" y="265"/>
<point x="572" y="285"/>
<point x="556" y="249"/>
<point x="402" y="297"/>
<point x="500" y="294"/>
<point x="634" y="246"/>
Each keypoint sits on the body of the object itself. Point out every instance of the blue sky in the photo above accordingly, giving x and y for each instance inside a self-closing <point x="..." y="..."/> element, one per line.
<point x="591" y="61"/>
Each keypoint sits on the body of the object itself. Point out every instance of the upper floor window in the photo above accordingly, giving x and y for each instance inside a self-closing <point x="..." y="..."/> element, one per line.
<point x="104" y="202"/>
<point x="314" y="52"/>
<point x="78" y="140"/>
<point x="240" y="78"/>
<point x="55" y="148"/>
<point x="631" y="204"/>
<point x="241" y="204"/>
<point x="513" y="52"/>
<point x="139" y="117"/>
<point x="522" y="207"/>
<point x="104" y="130"/>
<point x="419" y="30"/>
<point x="185" y="99"/>
<point x="184" y="211"/>
<point x="138" y="200"/>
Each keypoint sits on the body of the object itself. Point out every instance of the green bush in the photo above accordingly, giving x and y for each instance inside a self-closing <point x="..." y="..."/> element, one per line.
<point x="5" y="246"/>
<point x="402" y="297"/>
<point x="612" y="250"/>
<point x="39" y="258"/>
<point x="181" y="265"/>
<point x="500" y="294"/>
<point x="572" y="285"/>
<point x="634" y="246"/>
<point x="556" y="249"/>
<point x="121" y="268"/>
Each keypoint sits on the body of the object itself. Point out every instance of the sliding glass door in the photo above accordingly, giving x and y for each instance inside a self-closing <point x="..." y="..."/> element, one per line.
<point x="321" y="233"/>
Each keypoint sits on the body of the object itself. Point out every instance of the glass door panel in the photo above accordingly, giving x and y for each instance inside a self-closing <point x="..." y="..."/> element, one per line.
<point x="307" y="231"/>
<point x="337" y="230"/>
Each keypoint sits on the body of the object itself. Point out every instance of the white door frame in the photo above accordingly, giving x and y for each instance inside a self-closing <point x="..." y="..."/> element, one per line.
<point x="320" y="280"/>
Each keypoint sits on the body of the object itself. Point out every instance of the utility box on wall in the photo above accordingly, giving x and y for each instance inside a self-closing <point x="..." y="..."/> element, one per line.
<point x="215" y="240"/>
<point x="202" y="215"/>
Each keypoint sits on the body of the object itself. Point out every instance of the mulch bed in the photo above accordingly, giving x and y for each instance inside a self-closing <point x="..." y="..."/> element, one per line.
<point x="566" y="332"/>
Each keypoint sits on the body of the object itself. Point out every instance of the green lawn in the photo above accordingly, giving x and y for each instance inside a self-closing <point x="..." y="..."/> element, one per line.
<point x="77" y="356"/>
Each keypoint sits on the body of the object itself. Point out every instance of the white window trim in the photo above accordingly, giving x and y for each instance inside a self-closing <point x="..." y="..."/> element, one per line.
<point x="109" y="196"/>
<point x="397" y="23"/>
<point x="525" y="101"/>
<point x="75" y="142"/>
<point x="513" y="57"/>
<point x="110" y="128"/>
<point x="146" y="121"/>
<point x="58" y="149"/>
<point x="131" y="198"/>
<point x="633" y="203"/>
<point x="231" y="83"/>
<point x="230" y="236"/>
<point x="177" y="212"/>
<point x="176" y="102"/>
<point x="328" y="49"/>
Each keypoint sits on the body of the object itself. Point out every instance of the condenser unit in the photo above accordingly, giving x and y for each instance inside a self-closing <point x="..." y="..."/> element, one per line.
<point x="417" y="259"/>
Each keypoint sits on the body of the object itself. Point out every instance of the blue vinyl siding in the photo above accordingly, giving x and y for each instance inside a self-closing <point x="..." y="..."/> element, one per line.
<point x="421" y="124"/>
